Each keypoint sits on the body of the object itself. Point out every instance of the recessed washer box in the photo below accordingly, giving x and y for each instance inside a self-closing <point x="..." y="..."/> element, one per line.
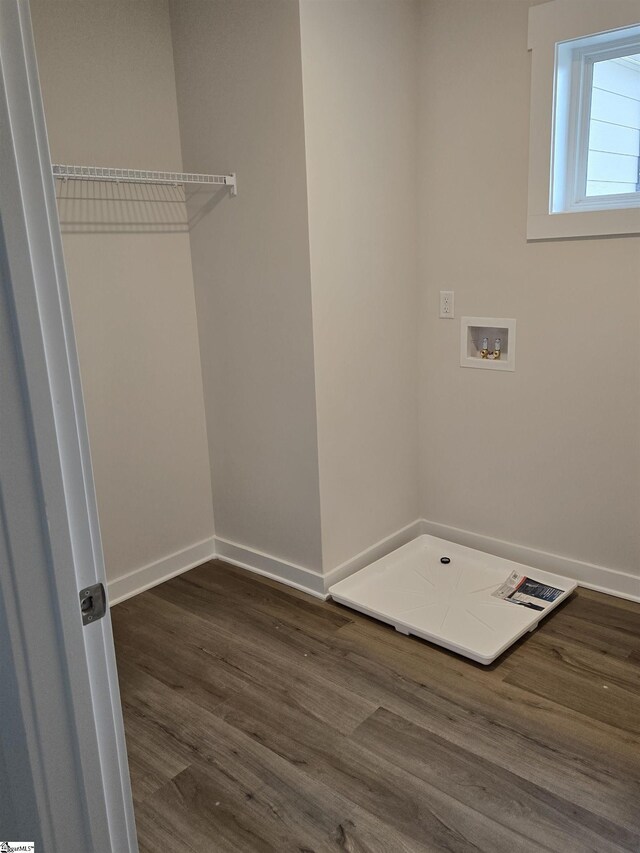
<point x="473" y="330"/>
<point x="450" y="604"/>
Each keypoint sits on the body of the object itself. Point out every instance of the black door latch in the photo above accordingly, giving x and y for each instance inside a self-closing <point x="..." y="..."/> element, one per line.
<point x="93" y="603"/>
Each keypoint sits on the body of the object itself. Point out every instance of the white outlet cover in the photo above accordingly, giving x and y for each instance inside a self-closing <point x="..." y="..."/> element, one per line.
<point x="447" y="308"/>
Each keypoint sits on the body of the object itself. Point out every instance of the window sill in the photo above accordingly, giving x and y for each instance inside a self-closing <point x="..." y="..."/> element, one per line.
<point x="588" y="223"/>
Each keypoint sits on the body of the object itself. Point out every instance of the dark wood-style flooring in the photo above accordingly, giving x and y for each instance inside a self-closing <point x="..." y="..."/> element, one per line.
<point x="261" y="719"/>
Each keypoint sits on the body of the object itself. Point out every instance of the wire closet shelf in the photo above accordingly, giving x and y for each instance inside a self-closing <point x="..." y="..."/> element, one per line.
<point x="141" y="176"/>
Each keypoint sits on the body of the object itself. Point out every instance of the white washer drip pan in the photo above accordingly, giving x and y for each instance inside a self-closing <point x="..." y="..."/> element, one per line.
<point x="448" y="604"/>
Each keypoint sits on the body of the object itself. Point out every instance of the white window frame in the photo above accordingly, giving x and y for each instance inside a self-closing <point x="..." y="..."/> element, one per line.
<point x="557" y="206"/>
<point x="573" y="90"/>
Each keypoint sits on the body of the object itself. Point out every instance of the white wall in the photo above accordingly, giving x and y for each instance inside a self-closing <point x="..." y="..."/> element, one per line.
<point x="548" y="456"/>
<point x="107" y="78"/>
<point x="359" y="63"/>
<point x="267" y="362"/>
<point x="308" y="285"/>
<point x="239" y="90"/>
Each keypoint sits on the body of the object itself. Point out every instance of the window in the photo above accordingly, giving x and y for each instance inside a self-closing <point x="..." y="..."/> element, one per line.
<point x="584" y="153"/>
<point x="596" y="146"/>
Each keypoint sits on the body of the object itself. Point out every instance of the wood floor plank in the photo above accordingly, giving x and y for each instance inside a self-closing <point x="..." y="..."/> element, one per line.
<point x="259" y="821"/>
<point x="157" y="831"/>
<point x="150" y="768"/>
<point x="545" y="819"/>
<point x="601" y="638"/>
<point x="423" y="665"/>
<point x="423" y="812"/>
<point x="613" y="600"/>
<point x="228" y="570"/>
<point x="606" y="611"/>
<point x="272" y="598"/>
<point x="205" y="804"/>
<point x="430" y="820"/>
<point x="571" y="655"/>
<point x="570" y="685"/>
<point x="207" y="741"/>
<point x="583" y="760"/>
<point x="210" y="664"/>
<point x="349" y="736"/>
<point x="153" y="758"/>
<point x="313" y="619"/>
<point x="599" y="622"/>
<point x="575" y="756"/>
<point x="165" y="654"/>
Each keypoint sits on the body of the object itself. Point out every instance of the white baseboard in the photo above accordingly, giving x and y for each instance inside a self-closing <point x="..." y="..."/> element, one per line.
<point x="600" y="578"/>
<point x="290" y="574"/>
<point x="374" y="552"/>
<point x="160" y="571"/>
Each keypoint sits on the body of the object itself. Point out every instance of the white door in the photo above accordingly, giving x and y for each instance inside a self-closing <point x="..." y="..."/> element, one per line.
<point x="64" y="780"/>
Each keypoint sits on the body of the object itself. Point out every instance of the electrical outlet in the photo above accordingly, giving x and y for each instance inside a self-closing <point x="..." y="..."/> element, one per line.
<point x="446" y="304"/>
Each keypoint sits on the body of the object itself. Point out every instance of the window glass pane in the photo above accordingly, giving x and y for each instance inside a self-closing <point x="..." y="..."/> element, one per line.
<point x="614" y="130"/>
